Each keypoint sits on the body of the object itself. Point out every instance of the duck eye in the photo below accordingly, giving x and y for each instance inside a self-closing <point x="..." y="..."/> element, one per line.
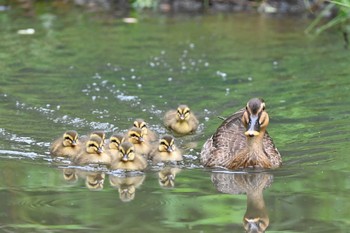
<point x="67" y="138"/>
<point x="163" y="143"/>
<point x="133" y="135"/>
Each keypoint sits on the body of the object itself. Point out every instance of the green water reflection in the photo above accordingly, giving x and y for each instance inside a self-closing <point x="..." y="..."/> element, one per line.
<point x="82" y="73"/>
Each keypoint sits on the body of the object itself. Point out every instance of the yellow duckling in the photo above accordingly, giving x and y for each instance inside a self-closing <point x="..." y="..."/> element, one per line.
<point x="181" y="121"/>
<point x="242" y="141"/>
<point x="66" y="146"/>
<point x="166" y="150"/>
<point x="136" y="137"/>
<point x="127" y="159"/>
<point x="147" y="133"/>
<point x="98" y="133"/>
<point x="115" y="140"/>
<point x="93" y="153"/>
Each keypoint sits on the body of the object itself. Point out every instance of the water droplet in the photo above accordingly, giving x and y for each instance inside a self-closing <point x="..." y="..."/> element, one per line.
<point x="170" y="79"/>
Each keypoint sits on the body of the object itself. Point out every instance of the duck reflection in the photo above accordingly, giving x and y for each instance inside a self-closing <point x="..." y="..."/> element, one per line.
<point x="256" y="218"/>
<point x="166" y="176"/>
<point x="126" y="185"/>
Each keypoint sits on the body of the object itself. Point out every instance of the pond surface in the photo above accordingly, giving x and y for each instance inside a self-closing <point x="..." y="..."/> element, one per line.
<point x="78" y="72"/>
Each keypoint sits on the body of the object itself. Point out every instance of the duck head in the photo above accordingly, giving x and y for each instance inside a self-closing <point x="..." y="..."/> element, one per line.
<point x="255" y="118"/>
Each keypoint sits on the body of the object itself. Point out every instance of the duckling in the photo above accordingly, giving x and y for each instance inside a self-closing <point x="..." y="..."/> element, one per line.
<point x="148" y="134"/>
<point x="166" y="177"/>
<point x="115" y="140"/>
<point x="126" y="185"/>
<point x="93" y="153"/>
<point x="136" y="137"/>
<point x="66" y="146"/>
<point x="166" y="150"/>
<point x="181" y="121"/>
<point x="128" y="159"/>
<point x="98" y="133"/>
<point x="242" y="141"/>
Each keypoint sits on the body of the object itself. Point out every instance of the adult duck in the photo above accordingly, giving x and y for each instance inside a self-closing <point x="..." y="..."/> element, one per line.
<point x="242" y="141"/>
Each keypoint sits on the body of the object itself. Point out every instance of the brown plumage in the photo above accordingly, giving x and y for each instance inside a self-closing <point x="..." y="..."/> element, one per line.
<point x="242" y="141"/>
<point x="66" y="146"/>
<point x="137" y="137"/>
<point x="181" y="121"/>
<point x="149" y="135"/>
<point x="93" y="153"/>
<point x="166" y="150"/>
<point x="128" y="159"/>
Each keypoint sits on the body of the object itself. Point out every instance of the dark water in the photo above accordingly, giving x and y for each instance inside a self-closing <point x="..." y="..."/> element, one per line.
<point x="78" y="72"/>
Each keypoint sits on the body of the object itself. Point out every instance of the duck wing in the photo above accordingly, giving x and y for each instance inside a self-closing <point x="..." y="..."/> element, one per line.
<point x="229" y="139"/>
<point x="271" y="151"/>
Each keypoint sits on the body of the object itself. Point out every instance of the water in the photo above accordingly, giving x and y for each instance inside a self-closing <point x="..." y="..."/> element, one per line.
<point x="79" y="72"/>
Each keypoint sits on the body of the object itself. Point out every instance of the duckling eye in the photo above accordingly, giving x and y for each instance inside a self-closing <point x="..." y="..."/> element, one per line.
<point x="67" y="138"/>
<point x="163" y="143"/>
<point x="133" y="135"/>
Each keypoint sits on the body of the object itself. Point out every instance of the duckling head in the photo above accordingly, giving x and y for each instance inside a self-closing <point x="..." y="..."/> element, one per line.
<point x="183" y="113"/>
<point x="166" y="144"/>
<point x="255" y="118"/>
<point x="115" y="140"/>
<point x="94" y="145"/>
<point x="136" y="135"/>
<point x="70" y="138"/>
<point x="126" y="152"/>
<point x="99" y="133"/>
<point x="140" y="123"/>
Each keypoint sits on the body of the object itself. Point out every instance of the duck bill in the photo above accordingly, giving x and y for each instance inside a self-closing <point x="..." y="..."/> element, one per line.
<point x="253" y="127"/>
<point x="125" y="158"/>
<point x="170" y="149"/>
<point x="74" y="143"/>
<point x="182" y="117"/>
<point x="99" y="150"/>
<point x="141" y="139"/>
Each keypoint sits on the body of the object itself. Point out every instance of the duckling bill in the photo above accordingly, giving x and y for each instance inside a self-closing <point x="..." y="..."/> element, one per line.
<point x="242" y="141"/>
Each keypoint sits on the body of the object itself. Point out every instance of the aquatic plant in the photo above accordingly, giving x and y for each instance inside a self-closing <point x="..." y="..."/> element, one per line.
<point x="342" y="19"/>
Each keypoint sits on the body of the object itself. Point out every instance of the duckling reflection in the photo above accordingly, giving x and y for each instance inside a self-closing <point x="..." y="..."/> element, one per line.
<point x="93" y="180"/>
<point x="70" y="175"/>
<point x="256" y="218"/>
<point x="126" y="185"/>
<point x="166" y="177"/>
